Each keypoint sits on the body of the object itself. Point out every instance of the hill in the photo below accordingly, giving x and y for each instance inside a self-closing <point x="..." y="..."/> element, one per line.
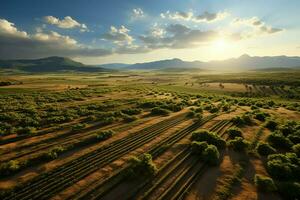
<point x="166" y="64"/>
<point x="49" y="64"/>
<point x="246" y="62"/>
<point x="242" y="63"/>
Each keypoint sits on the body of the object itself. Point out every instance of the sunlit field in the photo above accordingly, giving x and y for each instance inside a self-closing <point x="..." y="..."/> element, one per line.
<point x="149" y="100"/>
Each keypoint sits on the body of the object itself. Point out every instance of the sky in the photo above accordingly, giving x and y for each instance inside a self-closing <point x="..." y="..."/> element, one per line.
<point x="131" y="31"/>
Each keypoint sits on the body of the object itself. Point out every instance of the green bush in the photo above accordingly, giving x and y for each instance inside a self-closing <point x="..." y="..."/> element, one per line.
<point x="284" y="166"/>
<point x="159" y="111"/>
<point x="27" y="130"/>
<point x="142" y="167"/>
<point x="271" y="124"/>
<point x="103" y="135"/>
<point x="9" y="167"/>
<point x="198" y="147"/>
<point x="261" y="116"/>
<point x="78" y="127"/>
<point x="234" y="132"/>
<point x="54" y="153"/>
<point x="264" y="183"/>
<point x="277" y="140"/>
<point x="209" y="137"/>
<point x="211" y="155"/>
<point x="265" y="149"/>
<point x="238" y="121"/>
<point x="128" y="118"/>
<point x="239" y="144"/>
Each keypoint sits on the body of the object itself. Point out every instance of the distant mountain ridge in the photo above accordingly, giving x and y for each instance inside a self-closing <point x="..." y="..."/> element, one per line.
<point x="244" y="62"/>
<point x="49" y="64"/>
<point x="166" y="64"/>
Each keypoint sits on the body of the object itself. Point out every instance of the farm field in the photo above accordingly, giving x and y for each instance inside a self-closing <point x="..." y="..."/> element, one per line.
<point x="150" y="135"/>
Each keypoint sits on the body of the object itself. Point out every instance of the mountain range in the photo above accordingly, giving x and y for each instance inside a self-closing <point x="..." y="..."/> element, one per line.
<point x="244" y="62"/>
<point x="49" y="64"/>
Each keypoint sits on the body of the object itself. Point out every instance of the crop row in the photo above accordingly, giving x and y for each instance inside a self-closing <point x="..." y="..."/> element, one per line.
<point x="184" y="171"/>
<point x="104" y="187"/>
<point x="50" y="183"/>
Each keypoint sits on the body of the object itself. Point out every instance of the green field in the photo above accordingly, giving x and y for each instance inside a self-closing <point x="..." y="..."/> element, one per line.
<point x="150" y="135"/>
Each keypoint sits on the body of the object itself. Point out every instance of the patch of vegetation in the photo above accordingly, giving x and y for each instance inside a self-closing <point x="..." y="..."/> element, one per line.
<point x="264" y="149"/>
<point x="264" y="184"/>
<point x="239" y="144"/>
<point x="209" y="137"/>
<point x="234" y="132"/>
<point x="284" y="166"/>
<point x="142" y="167"/>
<point x="159" y="111"/>
<point x="211" y="155"/>
<point x="278" y="140"/>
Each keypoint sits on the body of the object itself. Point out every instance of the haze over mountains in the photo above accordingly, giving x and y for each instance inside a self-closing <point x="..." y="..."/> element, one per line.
<point x="244" y="62"/>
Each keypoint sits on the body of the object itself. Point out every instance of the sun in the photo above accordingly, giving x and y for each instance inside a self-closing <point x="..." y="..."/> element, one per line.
<point x="220" y="45"/>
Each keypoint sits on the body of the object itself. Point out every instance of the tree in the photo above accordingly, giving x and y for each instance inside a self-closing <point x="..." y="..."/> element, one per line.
<point x="211" y="155"/>
<point x="265" y="149"/>
<point x="264" y="183"/>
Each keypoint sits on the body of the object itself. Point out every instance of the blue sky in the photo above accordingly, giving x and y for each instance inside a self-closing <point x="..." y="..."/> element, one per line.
<point x="96" y="31"/>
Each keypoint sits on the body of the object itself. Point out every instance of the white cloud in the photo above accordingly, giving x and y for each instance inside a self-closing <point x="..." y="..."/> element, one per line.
<point x="211" y="17"/>
<point x="190" y="16"/>
<point x="258" y="27"/>
<point x="179" y="36"/>
<point x="178" y="15"/>
<point x="9" y="28"/>
<point x="66" y="23"/>
<point x="137" y="13"/>
<point x="118" y="36"/>
<point x="19" y="44"/>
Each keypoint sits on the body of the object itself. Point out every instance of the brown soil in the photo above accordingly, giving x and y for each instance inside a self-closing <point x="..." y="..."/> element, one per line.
<point x="34" y="171"/>
<point x="105" y="172"/>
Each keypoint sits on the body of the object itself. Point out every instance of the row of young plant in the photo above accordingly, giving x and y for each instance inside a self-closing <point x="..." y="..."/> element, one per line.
<point x="13" y="166"/>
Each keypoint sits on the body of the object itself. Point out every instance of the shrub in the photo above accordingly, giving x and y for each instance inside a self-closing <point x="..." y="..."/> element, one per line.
<point x="238" y="121"/>
<point x="247" y="119"/>
<point x="277" y="140"/>
<point x="159" y="111"/>
<point x="132" y="111"/>
<point x="78" y="127"/>
<point x="283" y="166"/>
<point x="128" y="118"/>
<point x="264" y="183"/>
<point x="103" y="135"/>
<point x="209" y="137"/>
<point x="142" y="167"/>
<point x="211" y="155"/>
<point x="265" y="149"/>
<point x="239" y="144"/>
<point x="296" y="149"/>
<point x="53" y="153"/>
<point x="234" y="132"/>
<point x="198" y="147"/>
<point x="9" y="167"/>
<point x="27" y="130"/>
<point x="261" y="116"/>
<point x="271" y="124"/>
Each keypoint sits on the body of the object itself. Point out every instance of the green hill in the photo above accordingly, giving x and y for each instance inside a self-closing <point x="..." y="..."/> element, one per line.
<point x="49" y="64"/>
